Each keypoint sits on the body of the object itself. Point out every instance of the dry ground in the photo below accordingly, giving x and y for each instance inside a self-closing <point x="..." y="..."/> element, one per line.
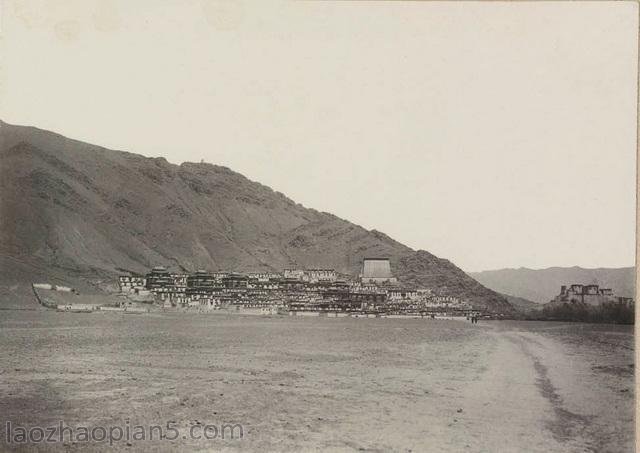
<point x="320" y="384"/>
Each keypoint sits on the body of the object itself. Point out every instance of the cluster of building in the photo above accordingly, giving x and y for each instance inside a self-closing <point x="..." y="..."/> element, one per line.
<point x="375" y="291"/>
<point x="591" y="295"/>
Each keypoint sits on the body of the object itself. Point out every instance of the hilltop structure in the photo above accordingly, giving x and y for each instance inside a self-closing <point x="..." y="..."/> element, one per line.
<point x="591" y="295"/>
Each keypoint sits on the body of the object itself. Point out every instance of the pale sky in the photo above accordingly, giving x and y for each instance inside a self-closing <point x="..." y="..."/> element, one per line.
<point x="492" y="134"/>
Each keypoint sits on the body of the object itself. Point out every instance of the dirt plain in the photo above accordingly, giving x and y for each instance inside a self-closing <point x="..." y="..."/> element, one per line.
<point x="299" y="384"/>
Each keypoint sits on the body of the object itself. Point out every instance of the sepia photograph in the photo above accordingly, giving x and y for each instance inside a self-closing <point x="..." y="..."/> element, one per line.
<point x="295" y="226"/>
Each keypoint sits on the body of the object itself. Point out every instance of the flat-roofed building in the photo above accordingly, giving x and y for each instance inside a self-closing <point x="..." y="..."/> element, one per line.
<point x="129" y="283"/>
<point x="585" y="294"/>
<point x="399" y="294"/>
<point x="297" y="274"/>
<point x="321" y="275"/>
<point x="200" y="282"/>
<point x="235" y="281"/>
<point x="264" y="277"/>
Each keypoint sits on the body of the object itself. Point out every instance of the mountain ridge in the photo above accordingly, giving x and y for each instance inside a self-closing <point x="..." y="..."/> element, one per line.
<point x="83" y="211"/>
<point x="541" y="285"/>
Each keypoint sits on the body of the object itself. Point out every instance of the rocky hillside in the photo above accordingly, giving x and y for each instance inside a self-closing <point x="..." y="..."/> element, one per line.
<point x="71" y="211"/>
<point x="541" y="285"/>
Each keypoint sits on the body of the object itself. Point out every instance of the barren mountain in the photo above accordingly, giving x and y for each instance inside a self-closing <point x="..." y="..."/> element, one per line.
<point x="541" y="285"/>
<point x="75" y="212"/>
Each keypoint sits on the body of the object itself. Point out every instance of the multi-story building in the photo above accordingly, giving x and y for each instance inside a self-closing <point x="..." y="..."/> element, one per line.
<point x="200" y="281"/>
<point x="264" y="277"/>
<point x="200" y="286"/>
<point x="131" y="283"/>
<point x="320" y="275"/>
<point x="158" y="278"/>
<point x="585" y="294"/>
<point x="402" y="294"/>
<point x="295" y="274"/>
<point x="235" y="281"/>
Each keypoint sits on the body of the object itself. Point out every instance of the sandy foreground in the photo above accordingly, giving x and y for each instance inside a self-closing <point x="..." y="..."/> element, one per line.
<point x="317" y="384"/>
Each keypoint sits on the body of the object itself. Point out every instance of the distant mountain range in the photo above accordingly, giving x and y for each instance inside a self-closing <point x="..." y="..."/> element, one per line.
<point x="72" y="212"/>
<point x="541" y="285"/>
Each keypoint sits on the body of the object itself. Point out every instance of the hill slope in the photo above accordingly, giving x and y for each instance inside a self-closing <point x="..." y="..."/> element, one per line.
<point x="522" y="305"/>
<point x="541" y="285"/>
<point x="77" y="211"/>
